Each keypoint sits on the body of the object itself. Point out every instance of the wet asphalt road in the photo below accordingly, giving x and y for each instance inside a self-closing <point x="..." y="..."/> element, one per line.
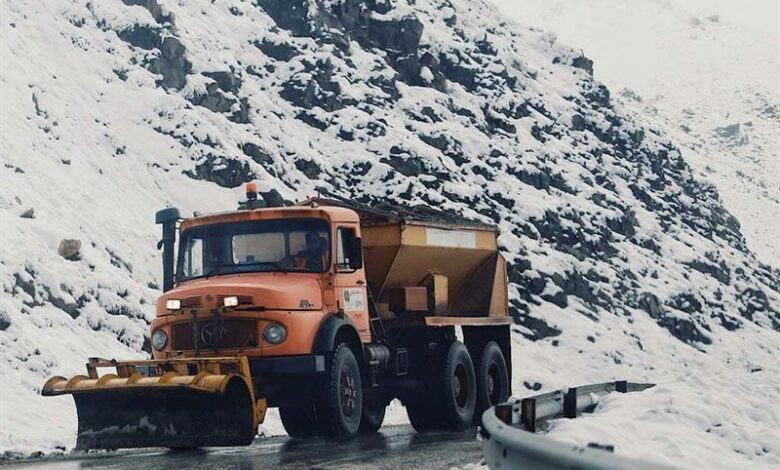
<point x="393" y="448"/>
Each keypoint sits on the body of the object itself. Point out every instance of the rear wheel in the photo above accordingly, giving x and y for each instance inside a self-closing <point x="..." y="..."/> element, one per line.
<point x="424" y="407"/>
<point x="422" y="415"/>
<point x="299" y="421"/>
<point x="492" y="379"/>
<point x="458" y="387"/>
<point x="373" y="416"/>
<point x="341" y="405"/>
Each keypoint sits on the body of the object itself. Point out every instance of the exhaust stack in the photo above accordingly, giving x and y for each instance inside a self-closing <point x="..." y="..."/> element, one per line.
<point x="167" y="218"/>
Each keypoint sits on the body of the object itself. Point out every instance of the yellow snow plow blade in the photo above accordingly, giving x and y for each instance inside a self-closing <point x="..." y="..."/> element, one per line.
<point x="177" y="403"/>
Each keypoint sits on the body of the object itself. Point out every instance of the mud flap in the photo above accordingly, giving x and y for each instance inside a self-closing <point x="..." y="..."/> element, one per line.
<point x="165" y="417"/>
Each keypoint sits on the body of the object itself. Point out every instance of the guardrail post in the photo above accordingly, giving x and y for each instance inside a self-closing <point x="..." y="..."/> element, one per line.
<point x="570" y="403"/>
<point x="504" y="412"/>
<point x="528" y="414"/>
<point x="621" y="386"/>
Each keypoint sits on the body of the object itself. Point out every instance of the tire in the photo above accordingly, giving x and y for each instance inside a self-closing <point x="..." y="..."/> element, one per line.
<point x="299" y="421"/>
<point x="373" y="416"/>
<point x="423" y="416"/>
<point x="340" y="407"/>
<point x="458" y="388"/>
<point x="492" y="379"/>
<point x="424" y="409"/>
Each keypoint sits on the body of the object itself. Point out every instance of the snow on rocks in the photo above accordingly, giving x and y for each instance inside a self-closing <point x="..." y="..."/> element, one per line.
<point x="442" y="103"/>
<point x="703" y="70"/>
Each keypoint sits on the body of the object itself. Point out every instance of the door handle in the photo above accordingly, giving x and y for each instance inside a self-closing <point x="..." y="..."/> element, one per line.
<point x="360" y="282"/>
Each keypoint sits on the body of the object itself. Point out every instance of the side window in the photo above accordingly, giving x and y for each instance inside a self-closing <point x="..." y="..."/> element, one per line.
<point x="343" y="234"/>
<point x="193" y="258"/>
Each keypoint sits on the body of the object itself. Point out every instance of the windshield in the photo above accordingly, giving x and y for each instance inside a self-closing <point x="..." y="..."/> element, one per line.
<point x="300" y="245"/>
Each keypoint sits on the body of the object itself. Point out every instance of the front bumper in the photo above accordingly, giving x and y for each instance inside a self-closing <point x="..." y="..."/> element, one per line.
<point x="288" y="380"/>
<point x="284" y="365"/>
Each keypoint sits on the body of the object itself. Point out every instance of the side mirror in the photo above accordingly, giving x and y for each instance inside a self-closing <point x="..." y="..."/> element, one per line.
<point x="355" y="252"/>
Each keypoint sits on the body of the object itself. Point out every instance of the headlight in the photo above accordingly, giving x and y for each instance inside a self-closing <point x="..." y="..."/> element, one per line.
<point x="231" y="301"/>
<point x="173" y="304"/>
<point x="159" y="339"/>
<point x="275" y="333"/>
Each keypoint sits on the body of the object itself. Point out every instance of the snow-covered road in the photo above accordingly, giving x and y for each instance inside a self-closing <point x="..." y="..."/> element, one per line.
<point x="395" y="447"/>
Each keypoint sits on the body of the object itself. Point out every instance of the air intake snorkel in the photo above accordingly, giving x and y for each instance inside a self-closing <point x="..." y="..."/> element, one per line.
<point x="168" y="218"/>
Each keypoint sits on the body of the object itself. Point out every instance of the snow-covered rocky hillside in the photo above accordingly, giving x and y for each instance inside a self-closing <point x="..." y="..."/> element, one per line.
<point x="623" y="265"/>
<point x="703" y="70"/>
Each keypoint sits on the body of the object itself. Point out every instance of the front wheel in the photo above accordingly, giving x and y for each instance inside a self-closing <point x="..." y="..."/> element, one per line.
<point x="299" y="421"/>
<point x="341" y="404"/>
<point x="373" y="416"/>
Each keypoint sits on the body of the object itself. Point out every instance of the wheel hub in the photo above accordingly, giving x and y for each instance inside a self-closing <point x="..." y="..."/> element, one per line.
<point x="494" y="381"/>
<point x="348" y="393"/>
<point x="460" y="386"/>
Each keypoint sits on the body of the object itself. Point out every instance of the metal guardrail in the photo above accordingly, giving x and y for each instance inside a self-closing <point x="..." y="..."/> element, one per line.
<point x="510" y="443"/>
<point x="565" y="403"/>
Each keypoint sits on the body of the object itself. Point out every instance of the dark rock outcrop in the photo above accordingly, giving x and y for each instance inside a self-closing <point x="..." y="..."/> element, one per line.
<point x="223" y="171"/>
<point x="169" y="60"/>
<point x="221" y="96"/>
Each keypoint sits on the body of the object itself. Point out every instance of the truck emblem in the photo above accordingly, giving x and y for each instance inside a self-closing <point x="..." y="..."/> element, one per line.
<point x="211" y="334"/>
<point x="306" y="304"/>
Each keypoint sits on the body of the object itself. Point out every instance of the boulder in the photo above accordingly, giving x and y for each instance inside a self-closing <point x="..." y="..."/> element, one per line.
<point x="70" y="249"/>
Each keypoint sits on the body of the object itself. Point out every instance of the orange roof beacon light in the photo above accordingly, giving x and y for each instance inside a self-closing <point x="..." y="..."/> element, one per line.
<point x="251" y="191"/>
<point x="252" y="201"/>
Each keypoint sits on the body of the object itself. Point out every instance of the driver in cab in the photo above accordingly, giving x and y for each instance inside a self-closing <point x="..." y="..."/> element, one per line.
<point x="316" y="255"/>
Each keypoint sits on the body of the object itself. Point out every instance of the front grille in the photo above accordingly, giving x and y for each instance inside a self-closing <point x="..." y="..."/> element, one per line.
<point x="191" y="302"/>
<point x="235" y="334"/>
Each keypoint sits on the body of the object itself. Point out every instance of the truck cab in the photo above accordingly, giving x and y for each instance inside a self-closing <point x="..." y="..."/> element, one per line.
<point x="274" y="284"/>
<point x="244" y="280"/>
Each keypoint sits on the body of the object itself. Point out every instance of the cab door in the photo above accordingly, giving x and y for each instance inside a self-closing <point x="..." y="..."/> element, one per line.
<point x="350" y="281"/>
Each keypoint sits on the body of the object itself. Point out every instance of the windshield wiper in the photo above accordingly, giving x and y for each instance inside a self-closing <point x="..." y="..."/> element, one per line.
<point x="239" y="267"/>
<point x="258" y="263"/>
<point x="215" y="269"/>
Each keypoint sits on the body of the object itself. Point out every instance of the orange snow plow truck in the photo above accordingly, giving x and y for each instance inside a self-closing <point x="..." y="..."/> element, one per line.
<point x="327" y="309"/>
